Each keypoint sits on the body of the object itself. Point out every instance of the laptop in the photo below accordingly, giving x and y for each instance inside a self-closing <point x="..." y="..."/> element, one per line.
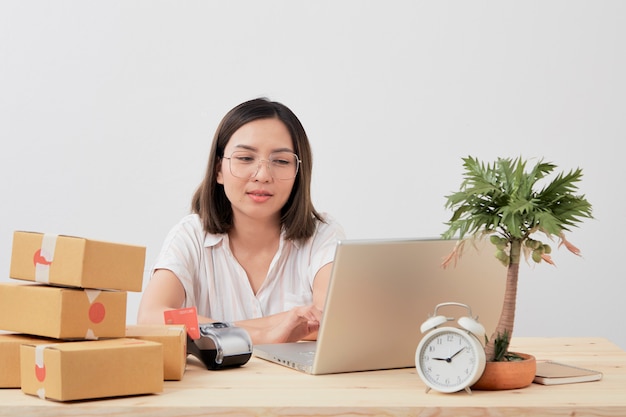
<point x="379" y="294"/>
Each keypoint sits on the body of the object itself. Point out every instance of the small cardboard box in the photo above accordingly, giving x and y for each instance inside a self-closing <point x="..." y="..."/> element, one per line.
<point x="91" y="369"/>
<point x="174" y="341"/>
<point x="77" y="262"/>
<point x="62" y="313"/>
<point x="10" y="356"/>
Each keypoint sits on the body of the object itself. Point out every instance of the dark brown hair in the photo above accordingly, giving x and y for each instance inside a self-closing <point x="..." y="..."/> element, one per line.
<point x="298" y="216"/>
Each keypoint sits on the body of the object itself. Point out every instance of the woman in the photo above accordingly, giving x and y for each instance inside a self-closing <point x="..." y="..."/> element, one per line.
<point x="254" y="251"/>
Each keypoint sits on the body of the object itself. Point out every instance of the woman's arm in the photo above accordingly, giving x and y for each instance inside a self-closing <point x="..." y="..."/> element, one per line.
<point x="320" y="286"/>
<point x="165" y="292"/>
<point x="320" y="289"/>
<point x="300" y="323"/>
<point x="293" y="325"/>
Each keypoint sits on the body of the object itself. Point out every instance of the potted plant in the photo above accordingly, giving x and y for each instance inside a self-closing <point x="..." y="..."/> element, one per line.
<point x="502" y="201"/>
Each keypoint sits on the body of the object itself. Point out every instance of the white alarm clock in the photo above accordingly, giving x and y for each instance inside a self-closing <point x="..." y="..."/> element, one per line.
<point x="450" y="359"/>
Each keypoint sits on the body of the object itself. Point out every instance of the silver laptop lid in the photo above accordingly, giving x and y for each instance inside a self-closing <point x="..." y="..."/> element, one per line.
<point x="382" y="290"/>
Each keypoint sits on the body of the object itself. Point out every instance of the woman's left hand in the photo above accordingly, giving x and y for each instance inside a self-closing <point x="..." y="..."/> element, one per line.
<point x="290" y="326"/>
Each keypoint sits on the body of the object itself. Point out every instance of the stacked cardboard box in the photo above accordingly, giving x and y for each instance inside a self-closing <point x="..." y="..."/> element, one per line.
<point x="77" y="300"/>
<point x="91" y="369"/>
<point x="173" y="337"/>
<point x="62" y="313"/>
<point x="10" y="356"/>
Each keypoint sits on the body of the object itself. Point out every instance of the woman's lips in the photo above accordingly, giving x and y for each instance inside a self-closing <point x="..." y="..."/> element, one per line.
<point x="259" y="196"/>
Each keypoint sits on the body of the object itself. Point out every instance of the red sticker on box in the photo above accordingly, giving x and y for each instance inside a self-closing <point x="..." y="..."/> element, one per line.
<point x="97" y="312"/>
<point x="39" y="259"/>
<point x="40" y="373"/>
<point x="44" y="257"/>
<point x="40" y="366"/>
<point x="187" y="316"/>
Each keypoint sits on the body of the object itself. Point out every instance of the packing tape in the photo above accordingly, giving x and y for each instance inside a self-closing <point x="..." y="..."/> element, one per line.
<point x="48" y="245"/>
<point x="39" y="355"/>
<point x="40" y="368"/>
<point x="91" y="295"/>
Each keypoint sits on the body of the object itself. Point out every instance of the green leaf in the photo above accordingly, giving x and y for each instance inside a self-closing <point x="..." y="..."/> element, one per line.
<point x="504" y="196"/>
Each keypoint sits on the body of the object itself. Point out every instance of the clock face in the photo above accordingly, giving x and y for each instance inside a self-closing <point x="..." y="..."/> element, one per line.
<point x="449" y="359"/>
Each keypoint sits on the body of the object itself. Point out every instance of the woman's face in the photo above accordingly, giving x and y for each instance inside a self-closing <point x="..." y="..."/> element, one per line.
<point x="255" y="191"/>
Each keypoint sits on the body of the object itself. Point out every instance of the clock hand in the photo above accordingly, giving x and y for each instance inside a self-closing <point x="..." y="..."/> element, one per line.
<point x="449" y="358"/>
<point x="459" y="351"/>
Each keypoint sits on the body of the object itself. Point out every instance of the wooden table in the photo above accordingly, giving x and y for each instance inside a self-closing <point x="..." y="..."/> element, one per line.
<point x="263" y="389"/>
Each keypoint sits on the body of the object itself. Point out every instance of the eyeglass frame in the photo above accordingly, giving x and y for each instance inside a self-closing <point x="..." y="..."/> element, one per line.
<point x="267" y="164"/>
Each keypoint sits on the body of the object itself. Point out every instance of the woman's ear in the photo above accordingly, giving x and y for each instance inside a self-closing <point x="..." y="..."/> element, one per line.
<point x="219" y="177"/>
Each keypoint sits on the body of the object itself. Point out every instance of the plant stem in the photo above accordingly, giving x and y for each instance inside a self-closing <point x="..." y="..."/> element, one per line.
<point x="507" y="316"/>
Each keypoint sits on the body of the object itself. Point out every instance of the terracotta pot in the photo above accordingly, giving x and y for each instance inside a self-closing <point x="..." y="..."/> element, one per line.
<point x="507" y="375"/>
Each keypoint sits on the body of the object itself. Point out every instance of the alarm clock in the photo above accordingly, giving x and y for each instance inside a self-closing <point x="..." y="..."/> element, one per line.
<point x="450" y="359"/>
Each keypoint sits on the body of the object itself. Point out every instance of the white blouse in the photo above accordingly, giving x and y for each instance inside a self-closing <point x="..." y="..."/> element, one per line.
<point x="217" y="285"/>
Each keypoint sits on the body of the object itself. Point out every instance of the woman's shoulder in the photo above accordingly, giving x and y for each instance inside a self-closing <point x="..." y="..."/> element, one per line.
<point x="328" y="225"/>
<point x="328" y="220"/>
<point x="190" y="231"/>
<point x="189" y="222"/>
<point x="188" y="227"/>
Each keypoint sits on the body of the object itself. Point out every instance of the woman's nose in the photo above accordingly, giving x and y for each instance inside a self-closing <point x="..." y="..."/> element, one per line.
<point x="263" y="171"/>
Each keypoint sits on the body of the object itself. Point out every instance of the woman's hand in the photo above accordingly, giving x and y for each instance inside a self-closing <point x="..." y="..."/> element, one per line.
<point x="290" y="326"/>
<point x="300" y="323"/>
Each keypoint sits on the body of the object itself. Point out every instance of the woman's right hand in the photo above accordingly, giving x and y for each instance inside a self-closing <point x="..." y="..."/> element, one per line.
<point x="297" y="324"/>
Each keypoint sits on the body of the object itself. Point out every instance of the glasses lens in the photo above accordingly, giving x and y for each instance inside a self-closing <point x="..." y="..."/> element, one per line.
<point x="281" y="165"/>
<point x="284" y="165"/>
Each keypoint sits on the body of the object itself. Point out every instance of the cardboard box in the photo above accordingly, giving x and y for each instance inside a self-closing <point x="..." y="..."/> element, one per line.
<point x="10" y="356"/>
<point x="174" y="340"/>
<point x="62" y="313"/>
<point x="77" y="262"/>
<point x="91" y="369"/>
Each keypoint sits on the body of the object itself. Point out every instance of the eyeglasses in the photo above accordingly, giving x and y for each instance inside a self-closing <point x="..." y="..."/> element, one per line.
<point x="281" y="165"/>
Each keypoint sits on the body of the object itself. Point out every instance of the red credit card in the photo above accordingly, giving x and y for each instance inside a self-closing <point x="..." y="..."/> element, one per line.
<point x="187" y="316"/>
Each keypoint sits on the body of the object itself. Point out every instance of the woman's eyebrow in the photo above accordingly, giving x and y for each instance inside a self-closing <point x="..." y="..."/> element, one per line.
<point x="254" y="149"/>
<point x="283" y="150"/>
<point x="246" y="147"/>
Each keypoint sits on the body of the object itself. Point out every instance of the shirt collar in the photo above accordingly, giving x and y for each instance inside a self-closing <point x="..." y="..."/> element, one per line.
<point x="211" y="240"/>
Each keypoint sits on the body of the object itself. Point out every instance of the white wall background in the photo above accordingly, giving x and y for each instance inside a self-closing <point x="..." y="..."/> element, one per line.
<point x="107" y="110"/>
